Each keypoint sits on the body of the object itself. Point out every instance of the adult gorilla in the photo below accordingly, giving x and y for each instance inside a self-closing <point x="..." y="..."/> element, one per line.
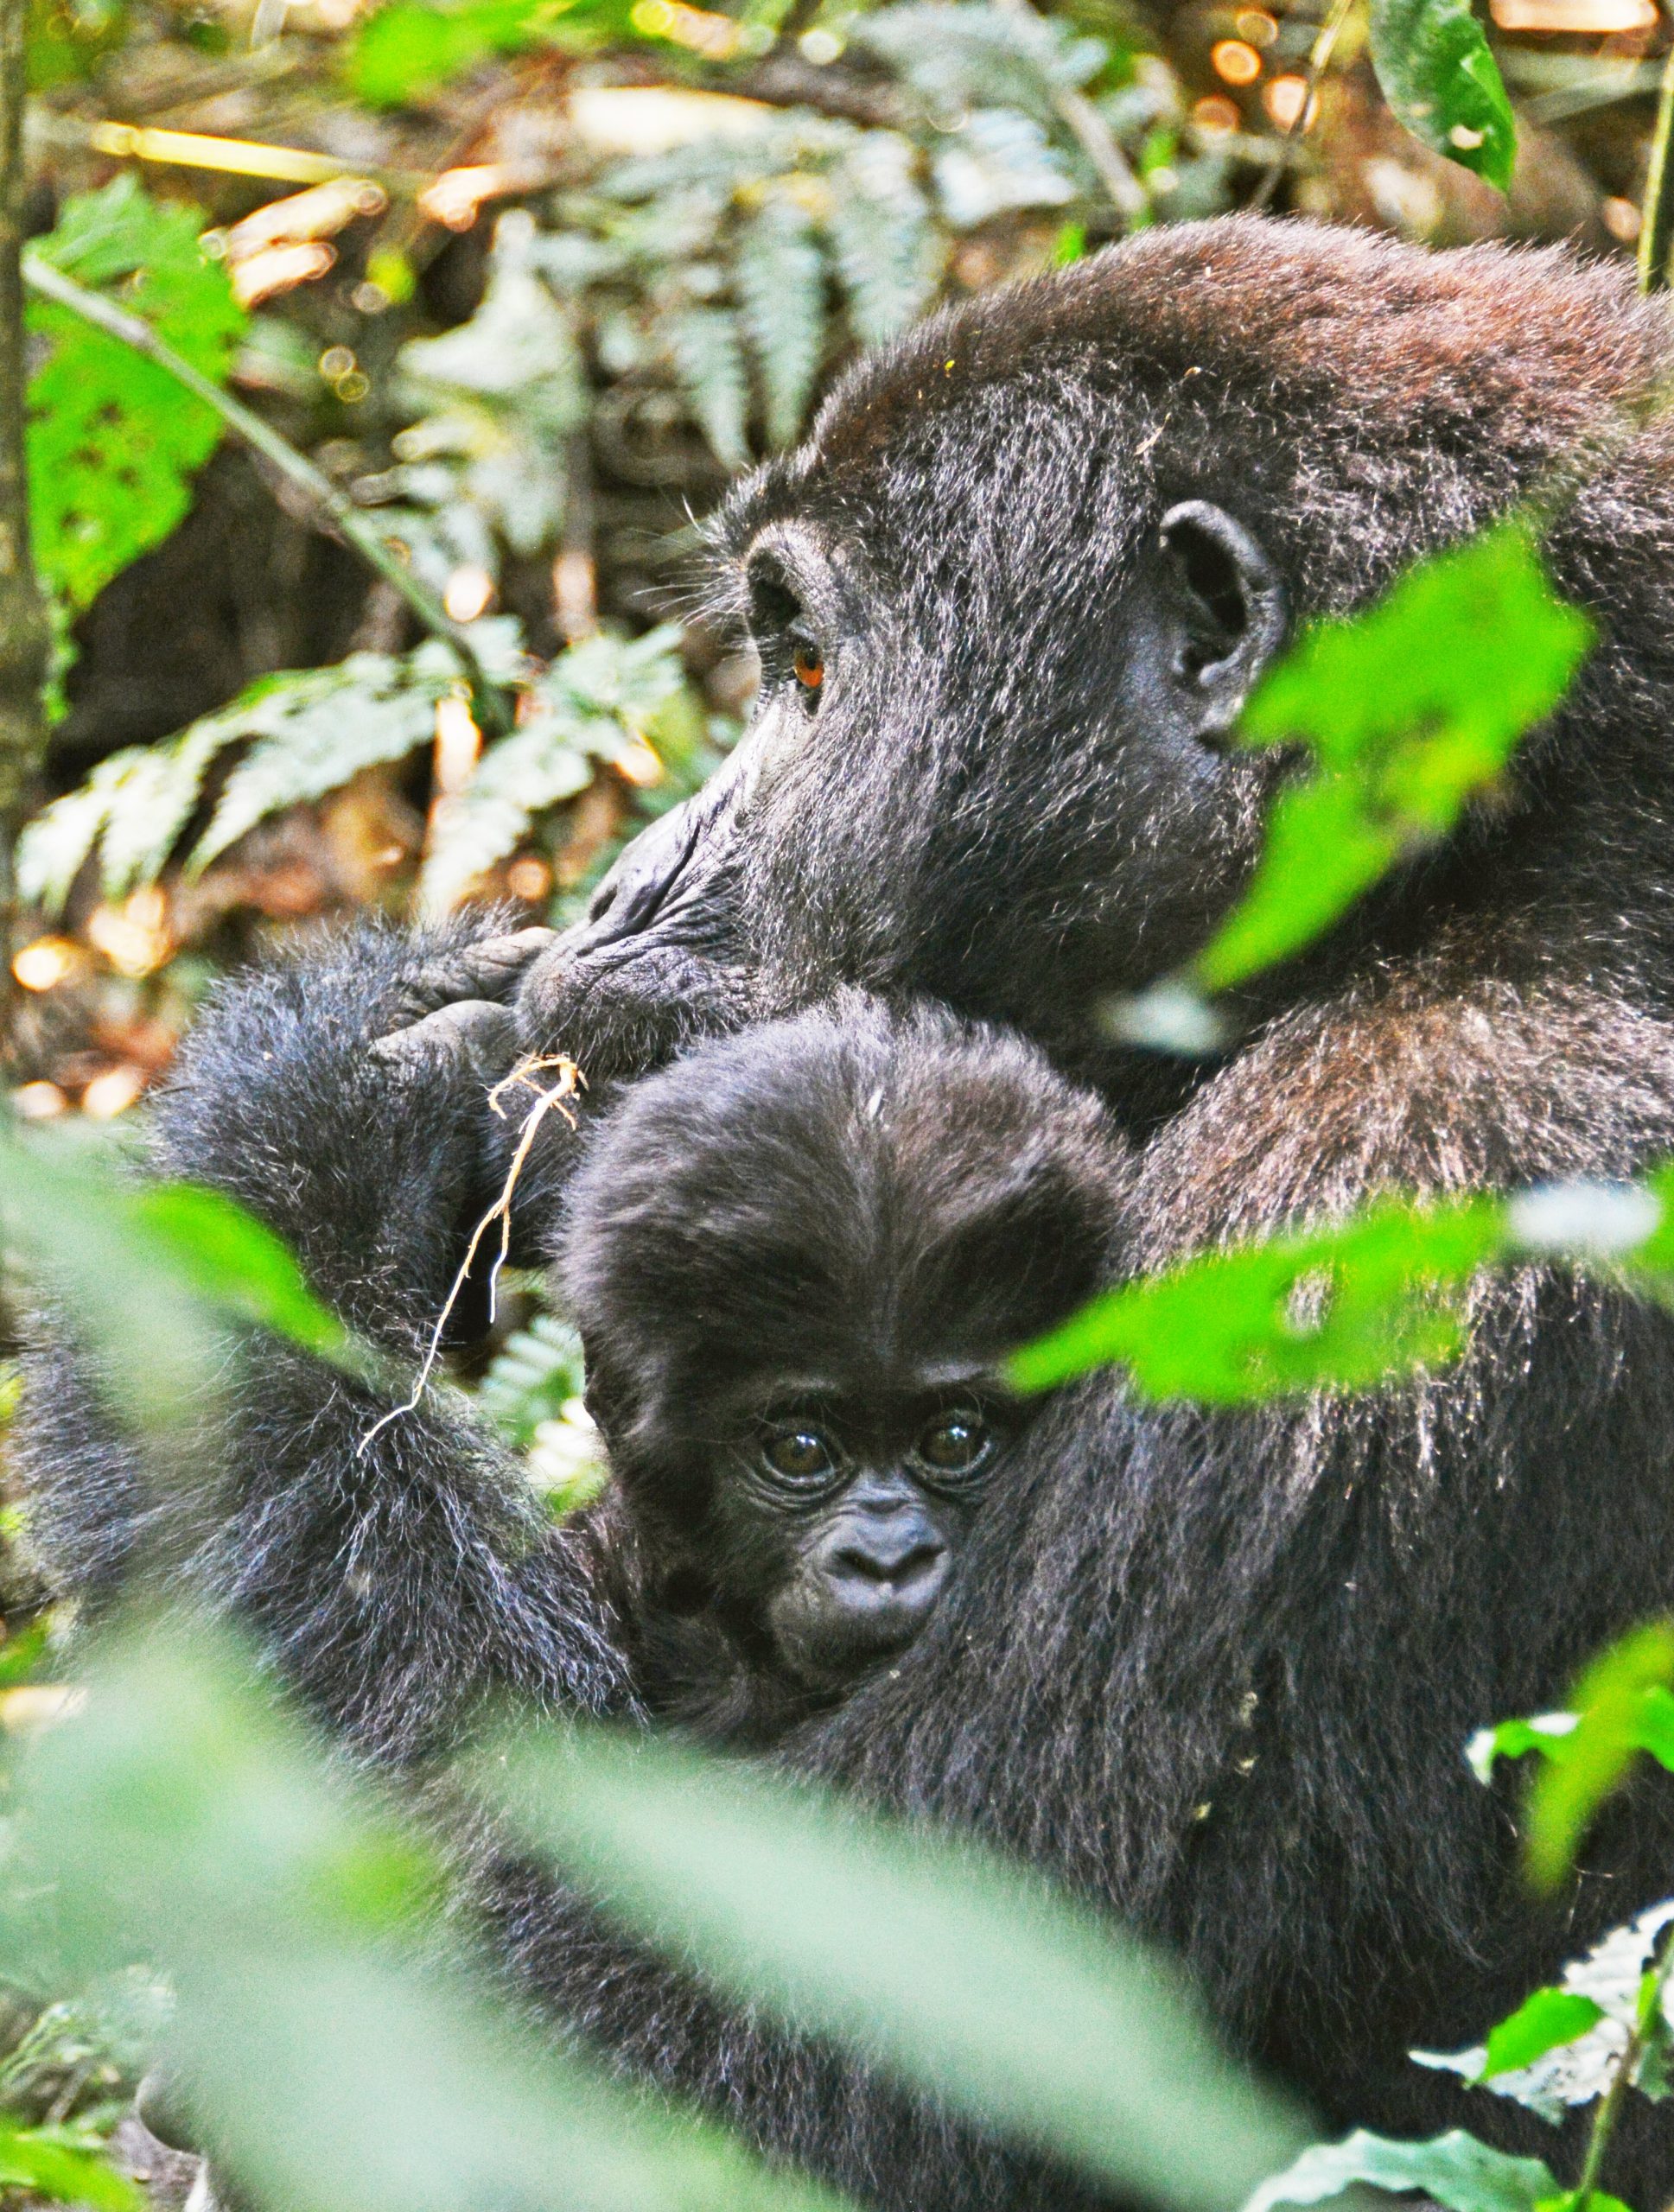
<point x="1212" y="1668"/>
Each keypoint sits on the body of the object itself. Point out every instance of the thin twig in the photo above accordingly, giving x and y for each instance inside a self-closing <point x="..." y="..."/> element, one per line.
<point x="557" y="1095"/>
<point x="1609" y="2108"/>
<point x="23" y="643"/>
<point x="1095" y="137"/>
<point x="489" y="699"/>
<point x="1657" y="217"/>
<point x="1319" y="60"/>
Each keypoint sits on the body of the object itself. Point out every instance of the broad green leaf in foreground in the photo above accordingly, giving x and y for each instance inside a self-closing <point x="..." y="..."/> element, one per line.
<point x="1340" y="1307"/>
<point x="1455" y="2169"/>
<point x="1438" y="75"/>
<point x="333" y="2061"/>
<point x="1542" y="2022"/>
<point x="947" y="1968"/>
<point x="49" y="2161"/>
<point x="145" y="1268"/>
<point x="113" y="438"/>
<point x="1409" y="709"/>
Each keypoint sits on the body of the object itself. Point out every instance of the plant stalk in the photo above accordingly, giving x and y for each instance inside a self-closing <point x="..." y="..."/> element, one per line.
<point x="1096" y="141"/>
<point x="23" y="633"/>
<point x="490" y="706"/>
<point x="1609" y="2108"/>
<point x="1657" y="216"/>
<point x="1319" y="60"/>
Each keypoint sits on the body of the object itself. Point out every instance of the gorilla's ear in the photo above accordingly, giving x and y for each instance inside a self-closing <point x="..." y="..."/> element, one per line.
<point x="1223" y="612"/>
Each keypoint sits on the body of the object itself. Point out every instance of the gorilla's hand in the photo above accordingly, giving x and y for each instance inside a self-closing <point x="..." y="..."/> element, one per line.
<point x="473" y="976"/>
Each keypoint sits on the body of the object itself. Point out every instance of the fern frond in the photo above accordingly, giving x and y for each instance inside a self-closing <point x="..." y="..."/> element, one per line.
<point x="317" y="729"/>
<point x="533" y="1379"/>
<point x="709" y="361"/>
<point x="887" y="250"/>
<point x="781" y="286"/>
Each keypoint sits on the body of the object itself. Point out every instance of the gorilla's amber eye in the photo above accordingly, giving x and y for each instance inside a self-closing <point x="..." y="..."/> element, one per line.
<point x="799" y="1454"/>
<point x="809" y="666"/>
<point x="957" y="1444"/>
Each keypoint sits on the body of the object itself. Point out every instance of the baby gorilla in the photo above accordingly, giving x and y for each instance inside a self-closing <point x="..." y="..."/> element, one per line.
<point x="797" y="1258"/>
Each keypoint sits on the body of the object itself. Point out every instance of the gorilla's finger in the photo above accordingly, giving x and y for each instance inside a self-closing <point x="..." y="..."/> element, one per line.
<point x="488" y="970"/>
<point x="473" y="1034"/>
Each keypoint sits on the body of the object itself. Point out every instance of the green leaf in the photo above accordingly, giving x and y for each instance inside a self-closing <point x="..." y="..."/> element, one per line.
<point x="1343" y="1307"/>
<point x="113" y="438"/>
<point x="295" y="1917"/>
<point x="1512" y="1739"/>
<point x="781" y="283"/>
<point x="1410" y="709"/>
<point x="1455" y="2169"/>
<point x="410" y="47"/>
<point x="1583" y="1768"/>
<point x="1542" y="2022"/>
<point x="957" y="1974"/>
<point x="146" y="1268"/>
<point x="1438" y="75"/>
<point x="232" y="1260"/>
<point x="49" y="2161"/>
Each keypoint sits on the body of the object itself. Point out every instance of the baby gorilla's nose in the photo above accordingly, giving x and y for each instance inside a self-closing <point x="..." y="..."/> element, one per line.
<point x="899" y="1562"/>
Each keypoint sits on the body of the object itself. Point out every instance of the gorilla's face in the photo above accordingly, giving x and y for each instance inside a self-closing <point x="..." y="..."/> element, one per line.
<point x="989" y="759"/>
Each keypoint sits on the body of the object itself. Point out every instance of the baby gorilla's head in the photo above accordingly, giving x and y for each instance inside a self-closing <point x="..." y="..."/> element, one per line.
<point x="797" y="1258"/>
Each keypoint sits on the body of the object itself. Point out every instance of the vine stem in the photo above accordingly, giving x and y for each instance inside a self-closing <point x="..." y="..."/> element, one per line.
<point x="489" y="703"/>
<point x="1657" y="217"/>
<point x="1609" y="2110"/>
<point x="1319" y="60"/>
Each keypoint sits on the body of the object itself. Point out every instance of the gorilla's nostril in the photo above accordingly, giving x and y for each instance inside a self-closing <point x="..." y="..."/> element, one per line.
<point x="904" y="1571"/>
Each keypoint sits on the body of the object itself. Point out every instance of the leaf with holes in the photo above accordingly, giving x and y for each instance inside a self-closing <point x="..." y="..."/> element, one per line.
<point x="113" y="440"/>
<point x="1438" y="75"/>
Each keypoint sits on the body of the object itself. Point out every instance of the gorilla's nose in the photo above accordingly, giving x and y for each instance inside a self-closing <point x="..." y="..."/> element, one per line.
<point x="904" y="1566"/>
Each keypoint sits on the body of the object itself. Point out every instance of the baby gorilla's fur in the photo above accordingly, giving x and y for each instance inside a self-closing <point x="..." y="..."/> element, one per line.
<point x="797" y="1259"/>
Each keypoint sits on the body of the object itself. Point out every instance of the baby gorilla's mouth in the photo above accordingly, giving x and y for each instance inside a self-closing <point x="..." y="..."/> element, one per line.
<point x="853" y="1612"/>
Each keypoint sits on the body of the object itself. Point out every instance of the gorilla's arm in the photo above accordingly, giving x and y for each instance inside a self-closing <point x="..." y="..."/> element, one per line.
<point x="394" y="1580"/>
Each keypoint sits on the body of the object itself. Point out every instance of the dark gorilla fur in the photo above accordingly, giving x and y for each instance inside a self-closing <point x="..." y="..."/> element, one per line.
<point x="850" y="1213"/>
<point x="1010" y="799"/>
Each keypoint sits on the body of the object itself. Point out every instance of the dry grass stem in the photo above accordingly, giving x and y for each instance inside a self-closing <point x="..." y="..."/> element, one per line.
<point x="555" y="1096"/>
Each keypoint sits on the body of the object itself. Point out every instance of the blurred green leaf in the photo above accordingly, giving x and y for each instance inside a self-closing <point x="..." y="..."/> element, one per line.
<point x="1542" y="2022"/>
<point x="1332" y="1308"/>
<point x="147" y="1268"/>
<point x="292" y="1912"/>
<point x="51" y="2163"/>
<point x="1410" y="709"/>
<point x="408" y="48"/>
<point x="1455" y="2170"/>
<point x="1583" y="1768"/>
<point x="113" y="438"/>
<point x="954" y="1972"/>
<point x="1438" y="75"/>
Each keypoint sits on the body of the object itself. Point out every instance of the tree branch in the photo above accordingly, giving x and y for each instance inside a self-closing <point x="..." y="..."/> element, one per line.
<point x="23" y="637"/>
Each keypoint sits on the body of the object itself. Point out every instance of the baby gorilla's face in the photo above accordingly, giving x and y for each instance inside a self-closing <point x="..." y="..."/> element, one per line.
<point x="845" y="1521"/>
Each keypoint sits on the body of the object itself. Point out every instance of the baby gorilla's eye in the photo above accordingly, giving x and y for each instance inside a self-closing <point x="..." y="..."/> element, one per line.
<point x="799" y="1454"/>
<point x="956" y="1443"/>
